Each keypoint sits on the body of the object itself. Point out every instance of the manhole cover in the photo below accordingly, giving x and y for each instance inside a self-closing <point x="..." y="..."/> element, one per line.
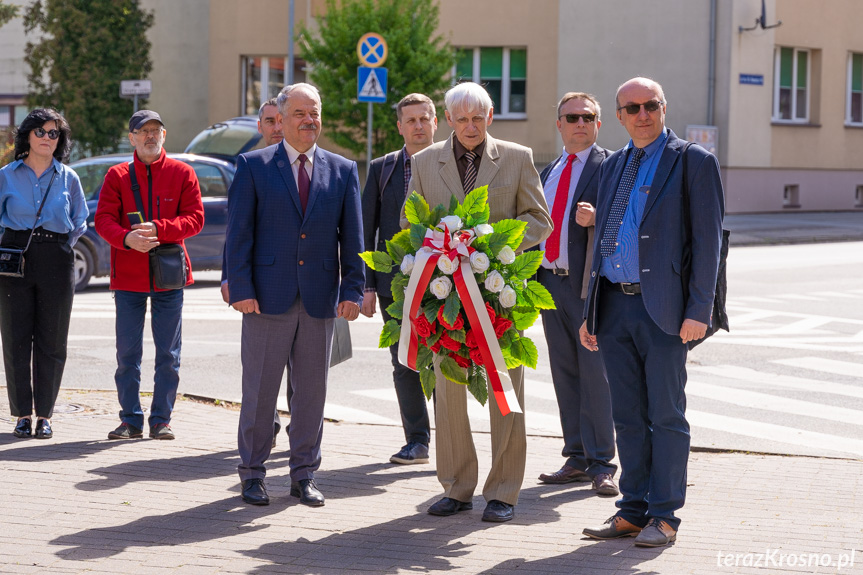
<point x="67" y="408"/>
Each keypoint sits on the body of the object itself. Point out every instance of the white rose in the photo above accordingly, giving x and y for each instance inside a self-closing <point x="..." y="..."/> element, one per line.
<point x="446" y="265"/>
<point x="506" y="255"/>
<point x="440" y="287"/>
<point x="494" y="282"/>
<point x="479" y="262"/>
<point x="484" y="230"/>
<point x="453" y="223"/>
<point x="407" y="265"/>
<point x="507" y="297"/>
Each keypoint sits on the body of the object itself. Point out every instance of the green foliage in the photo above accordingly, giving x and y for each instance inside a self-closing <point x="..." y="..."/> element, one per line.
<point x="390" y="334"/>
<point x="476" y="200"/>
<point x="496" y="242"/>
<point x="526" y="264"/>
<point x="524" y="350"/>
<point x="7" y="12"/>
<point x="419" y="60"/>
<point x="523" y="318"/>
<point x="85" y="49"/>
<point x="451" y="307"/>
<point x="476" y="384"/>
<point x="513" y="229"/>
<point x="439" y="212"/>
<point x="536" y="293"/>
<point x="396" y="251"/>
<point x="417" y="210"/>
<point x="431" y="309"/>
<point x="396" y="310"/>
<point x="417" y="236"/>
<point x="403" y="240"/>
<point x="428" y="380"/>
<point x="398" y="286"/>
<point x="378" y="261"/>
<point x="451" y="370"/>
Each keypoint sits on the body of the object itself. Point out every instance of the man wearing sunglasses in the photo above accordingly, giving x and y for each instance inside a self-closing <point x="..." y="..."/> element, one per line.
<point x="651" y="292"/>
<point x="570" y="185"/>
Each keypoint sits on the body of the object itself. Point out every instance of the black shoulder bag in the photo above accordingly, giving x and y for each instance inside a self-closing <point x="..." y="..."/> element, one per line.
<point x="167" y="261"/>
<point x="12" y="259"/>
<point x="719" y="318"/>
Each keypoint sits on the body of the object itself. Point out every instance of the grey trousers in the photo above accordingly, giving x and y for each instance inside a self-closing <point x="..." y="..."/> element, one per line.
<point x="269" y="345"/>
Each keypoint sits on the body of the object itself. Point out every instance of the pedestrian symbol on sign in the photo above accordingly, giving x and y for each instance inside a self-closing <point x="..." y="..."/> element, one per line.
<point x="372" y="85"/>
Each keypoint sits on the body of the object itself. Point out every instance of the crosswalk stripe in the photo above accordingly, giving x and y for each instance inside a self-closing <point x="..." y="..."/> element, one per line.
<point x="754" y="298"/>
<point x="825" y="365"/>
<point x="772" y="432"/>
<point x="836" y="294"/>
<point x="799" y="297"/>
<point x="776" y="380"/>
<point x="751" y="316"/>
<point x="767" y="402"/>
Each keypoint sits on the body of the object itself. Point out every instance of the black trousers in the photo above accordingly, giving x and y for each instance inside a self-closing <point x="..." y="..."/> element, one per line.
<point x="34" y="324"/>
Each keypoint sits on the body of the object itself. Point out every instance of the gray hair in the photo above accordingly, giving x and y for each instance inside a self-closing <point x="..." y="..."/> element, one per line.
<point x="468" y="96"/>
<point x="299" y="87"/>
<point x="270" y="102"/>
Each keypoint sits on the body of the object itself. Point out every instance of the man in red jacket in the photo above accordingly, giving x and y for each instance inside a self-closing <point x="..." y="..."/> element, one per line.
<point x="172" y="211"/>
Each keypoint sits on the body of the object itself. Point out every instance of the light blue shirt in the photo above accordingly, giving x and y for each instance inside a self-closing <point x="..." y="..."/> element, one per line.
<point x="622" y="265"/>
<point x="21" y="194"/>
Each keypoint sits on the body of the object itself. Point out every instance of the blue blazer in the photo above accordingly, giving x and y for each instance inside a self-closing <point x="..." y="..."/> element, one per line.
<point x="275" y="252"/>
<point x="664" y="246"/>
<point x="381" y="214"/>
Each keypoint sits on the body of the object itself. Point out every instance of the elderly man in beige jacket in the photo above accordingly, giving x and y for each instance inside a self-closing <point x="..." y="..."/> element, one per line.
<point x="471" y="158"/>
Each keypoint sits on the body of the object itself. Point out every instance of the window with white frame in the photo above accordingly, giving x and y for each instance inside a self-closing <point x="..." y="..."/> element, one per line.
<point x="791" y="85"/>
<point x="854" y="103"/>
<point x="503" y="73"/>
<point x="263" y="77"/>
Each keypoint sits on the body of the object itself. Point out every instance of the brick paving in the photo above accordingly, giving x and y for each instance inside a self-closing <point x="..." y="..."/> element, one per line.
<point x="82" y="504"/>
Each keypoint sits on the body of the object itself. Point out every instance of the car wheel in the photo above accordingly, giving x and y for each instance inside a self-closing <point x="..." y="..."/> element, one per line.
<point x="83" y="266"/>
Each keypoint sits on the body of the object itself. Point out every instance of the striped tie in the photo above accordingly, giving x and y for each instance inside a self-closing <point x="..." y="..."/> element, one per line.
<point x="469" y="172"/>
<point x="618" y="206"/>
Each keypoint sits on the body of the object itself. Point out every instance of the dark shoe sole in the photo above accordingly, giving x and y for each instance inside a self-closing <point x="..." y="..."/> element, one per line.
<point x="161" y="437"/>
<point x="497" y="518"/>
<point x="44" y="435"/>
<point x="401" y="461"/>
<point x="463" y="507"/>
<point x="135" y="436"/>
<point x="22" y="435"/>
<point x="308" y="503"/>
<point x="609" y="537"/>
<point x="607" y="492"/>
<point x="257" y="501"/>
<point x="671" y="539"/>
<point x="585" y="479"/>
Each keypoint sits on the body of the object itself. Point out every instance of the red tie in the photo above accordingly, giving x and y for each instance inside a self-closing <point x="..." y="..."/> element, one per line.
<point x="303" y="182"/>
<point x="561" y="199"/>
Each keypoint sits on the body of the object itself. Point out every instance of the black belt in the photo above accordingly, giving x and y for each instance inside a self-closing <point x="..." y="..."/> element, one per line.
<point x="625" y="287"/>
<point x="39" y="235"/>
<point x="557" y="271"/>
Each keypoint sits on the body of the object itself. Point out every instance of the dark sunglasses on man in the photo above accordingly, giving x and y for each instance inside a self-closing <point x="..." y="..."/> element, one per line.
<point x="573" y="118"/>
<point x="52" y="134"/>
<point x="649" y="107"/>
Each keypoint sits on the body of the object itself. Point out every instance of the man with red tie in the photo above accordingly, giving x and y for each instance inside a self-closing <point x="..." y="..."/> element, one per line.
<point x="570" y="185"/>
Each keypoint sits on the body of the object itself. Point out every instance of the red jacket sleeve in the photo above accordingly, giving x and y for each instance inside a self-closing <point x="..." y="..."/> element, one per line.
<point x="190" y="213"/>
<point x="110" y="216"/>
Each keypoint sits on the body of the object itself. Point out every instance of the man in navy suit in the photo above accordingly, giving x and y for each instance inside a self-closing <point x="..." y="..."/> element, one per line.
<point x="383" y="197"/>
<point x="651" y="292"/>
<point x="569" y="184"/>
<point x="294" y="235"/>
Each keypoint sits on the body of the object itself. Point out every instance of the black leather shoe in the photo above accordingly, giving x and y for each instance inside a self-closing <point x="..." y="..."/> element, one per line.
<point x="276" y="429"/>
<point x="24" y="428"/>
<point x="449" y="506"/>
<point x="255" y="493"/>
<point x="307" y="491"/>
<point x="498" y="512"/>
<point x="43" y="429"/>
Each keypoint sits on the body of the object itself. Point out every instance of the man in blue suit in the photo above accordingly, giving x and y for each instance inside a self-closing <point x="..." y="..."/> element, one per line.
<point x="294" y="235"/>
<point x="570" y="184"/>
<point x="651" y="292"/>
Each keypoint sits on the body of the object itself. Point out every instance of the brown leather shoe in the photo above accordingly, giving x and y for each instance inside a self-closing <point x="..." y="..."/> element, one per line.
<point x="566" y="474"/>
<point x="603" y="484"/>
<point x="613" y="528"/>
<point x="657" y="534"/>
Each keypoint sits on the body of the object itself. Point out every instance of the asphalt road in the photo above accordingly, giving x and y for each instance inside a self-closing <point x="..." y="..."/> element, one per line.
<point x="787" y="379"/>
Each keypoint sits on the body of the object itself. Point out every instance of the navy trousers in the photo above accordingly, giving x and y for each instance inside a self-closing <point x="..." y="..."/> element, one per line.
<point x="646" y="373"/>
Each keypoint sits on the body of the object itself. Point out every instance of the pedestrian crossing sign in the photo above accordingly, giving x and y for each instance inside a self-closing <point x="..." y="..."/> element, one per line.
<point x="372" y="85"/>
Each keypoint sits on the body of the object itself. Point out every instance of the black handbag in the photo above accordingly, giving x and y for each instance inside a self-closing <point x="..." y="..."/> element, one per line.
<point x="12" y="259"/>
<point x="168" y="269"/>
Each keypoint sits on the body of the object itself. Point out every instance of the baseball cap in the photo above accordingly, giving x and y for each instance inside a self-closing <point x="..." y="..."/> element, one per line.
<point x="141" y="117"/>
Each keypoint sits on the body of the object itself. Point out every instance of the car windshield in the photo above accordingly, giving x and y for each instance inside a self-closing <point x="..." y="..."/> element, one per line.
<point x="223" y="139"/>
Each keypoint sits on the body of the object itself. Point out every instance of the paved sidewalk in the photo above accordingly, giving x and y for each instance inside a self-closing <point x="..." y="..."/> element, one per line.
<point x="82" y="504"/>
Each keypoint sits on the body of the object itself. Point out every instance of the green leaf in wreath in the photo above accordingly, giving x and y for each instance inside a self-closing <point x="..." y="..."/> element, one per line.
<point x="418" y="236"/>
<point x="395" y="251"/>
<point x="477" y="385"/>
<point x="459" y="211"/>
<point x="425" y="357"/>
<point x="432" y="339"/>
<point x="525" y="264"/>
<point x="496" y="241"/>
<point x="524" y="319"/>
<point x="427" y="379"/>
<point x="539" y="296"/>
<point x="451" y="307"/>
<point x="432" y="308"/>
<point x="403" y="240"/>
<point x="450" y="370"/>
<point x="524" y="349"/>
<point x="416" y="209"/>
<point x="458" y="335"/>
<point x="390" y="334"/>
<point x="513" y="229"/>
<point x="439" y="212"/>
<point x="512" y="362"/>
<point x="476" y="200"/>
<point x="396" y="309"/>
<point x="453" y="204"/>
<point x="398" y="286"/>
<point x="378" y="261"/>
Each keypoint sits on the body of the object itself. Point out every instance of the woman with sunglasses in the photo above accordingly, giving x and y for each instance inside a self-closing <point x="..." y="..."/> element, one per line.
<point x="42" y="209"/>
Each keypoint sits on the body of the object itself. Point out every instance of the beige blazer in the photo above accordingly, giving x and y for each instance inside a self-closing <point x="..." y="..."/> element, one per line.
<point x="514" y="189"/>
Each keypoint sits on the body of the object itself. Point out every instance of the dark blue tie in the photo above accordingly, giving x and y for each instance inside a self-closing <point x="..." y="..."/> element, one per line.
<point x="618" y="205"/>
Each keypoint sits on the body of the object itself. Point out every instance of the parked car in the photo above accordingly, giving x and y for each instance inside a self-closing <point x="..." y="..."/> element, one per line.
<point x="93" y="254"/>
<point x="227" y="140"/>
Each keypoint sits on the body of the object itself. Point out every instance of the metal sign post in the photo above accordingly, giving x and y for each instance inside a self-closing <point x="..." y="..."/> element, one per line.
<point x="371" y="80"/>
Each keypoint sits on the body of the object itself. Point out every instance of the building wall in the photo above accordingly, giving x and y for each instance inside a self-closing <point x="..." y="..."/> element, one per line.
<point x="13" y="69"/>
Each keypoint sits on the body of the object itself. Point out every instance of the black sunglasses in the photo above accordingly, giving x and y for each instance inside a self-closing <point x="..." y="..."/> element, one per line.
<point x="573" y="118"/>
<point x="52" y="134"/>
<point x="649" y="107"/>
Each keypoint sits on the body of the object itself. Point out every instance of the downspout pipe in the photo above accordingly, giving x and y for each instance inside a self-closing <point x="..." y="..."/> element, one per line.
<point x="711" y="66"/>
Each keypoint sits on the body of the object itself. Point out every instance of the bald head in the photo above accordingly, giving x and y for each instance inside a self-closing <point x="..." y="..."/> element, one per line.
<point x="641" y="110"/>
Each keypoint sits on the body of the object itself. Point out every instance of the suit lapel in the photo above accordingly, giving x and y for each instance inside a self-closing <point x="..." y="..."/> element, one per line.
<point x="489" y="167"/>
<point x="449" y="170"/>
<point x="666" y="162"/>
<point x="283" y="164"/>
<point x="594" y="160"/>
<point x="320" y="178"/>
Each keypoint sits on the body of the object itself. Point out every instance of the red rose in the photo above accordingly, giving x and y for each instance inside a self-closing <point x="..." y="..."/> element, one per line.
<point x="501" y="324"/>
<point x="423" y="327"/>
<point x="470" y="339"/>
<point x="449" y="343"/>
<point x="459" y="322"/>
<point x="476" y="356"/>
<point x="491" y="314"/>
<point x="461" y="361"/>
<point x="436" y="347"/>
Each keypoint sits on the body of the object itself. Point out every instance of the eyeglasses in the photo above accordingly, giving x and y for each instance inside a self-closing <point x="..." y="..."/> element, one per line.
<point x="573" y="118"/>
<point x="649" y="107"/>
<point x="52" y="134"/>
<point x="153" y="132"/>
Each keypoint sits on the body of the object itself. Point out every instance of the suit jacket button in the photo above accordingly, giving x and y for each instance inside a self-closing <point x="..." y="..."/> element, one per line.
<point x="301" y="262"/>
<point x="303" y="236"/>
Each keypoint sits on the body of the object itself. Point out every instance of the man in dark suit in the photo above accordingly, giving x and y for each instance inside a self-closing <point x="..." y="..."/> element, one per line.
<point x="569" y="184"/>
<point x="651" y="292"/>
<point x="385" y="192"/>
<point x="294" y="235"/>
